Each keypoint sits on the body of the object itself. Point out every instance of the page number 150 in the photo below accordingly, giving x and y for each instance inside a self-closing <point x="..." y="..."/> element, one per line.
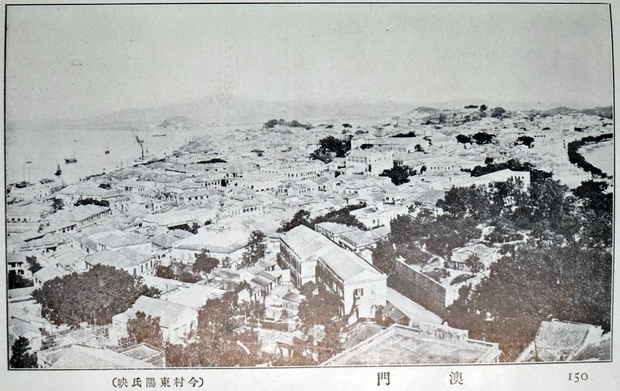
<point x="577" y="376"/>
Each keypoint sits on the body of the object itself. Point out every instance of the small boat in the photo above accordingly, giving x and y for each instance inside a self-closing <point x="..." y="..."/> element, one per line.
<point x="58" y="171"/>
<point x="72" y="159"/>
<point x="160" y="135"/>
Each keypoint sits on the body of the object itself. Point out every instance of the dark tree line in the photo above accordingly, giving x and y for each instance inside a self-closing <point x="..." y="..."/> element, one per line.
<point x="533" y="284"/>
<point x="480" y="138"/>
<point x="576" y="158"/>
<point x="399" y="174"/>
<point x="330" y="147"/>
<point x="93" y="296"/>
<point x="21" y="356"/>
<point x="405" y="135"/>
<point x="92" y="201"/>
<point x="536" y="175"/>
<point x="340" y="216"/>
<point x="293" y="124"/>
<point x="563" y="271"/>
<point x="178" y="271"/>
<point x="321" y="324"/>
<point x="220" y="339"/>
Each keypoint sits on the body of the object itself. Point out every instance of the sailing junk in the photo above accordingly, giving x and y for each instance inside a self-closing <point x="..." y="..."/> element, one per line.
<point x="72" y="159"/>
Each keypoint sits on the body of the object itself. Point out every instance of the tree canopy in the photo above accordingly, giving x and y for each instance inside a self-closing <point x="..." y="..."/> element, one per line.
<point x="33" y="265"/>
<point x="204" y="263"/>
<point x="143" y="328"/>
<point x="498" y="112"/>
<point x="399" y="174"/>
<point x="330" y="147"/>
<point x="21" y="356"/>
<point x="340" y="216"/>
<point x="255" y="250"/>
<point x="320" y="309"/>
<point x="220" y="339"/>
<point x="93" y="296"/>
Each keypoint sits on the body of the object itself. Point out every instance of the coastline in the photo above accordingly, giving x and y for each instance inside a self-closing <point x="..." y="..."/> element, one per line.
<point x="600" y="155"/>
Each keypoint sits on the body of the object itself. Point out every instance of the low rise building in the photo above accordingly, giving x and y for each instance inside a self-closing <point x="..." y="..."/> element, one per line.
<point x="426" y="344"/>
<point x="560" y="341"/>
<point x="360" y="287"/>
<point x="175" y="320"/>
<point x="299" y="249"/>
<point x="134" y="262"/>
<point x="219" y="244"/>
<point x="369" y="162"/>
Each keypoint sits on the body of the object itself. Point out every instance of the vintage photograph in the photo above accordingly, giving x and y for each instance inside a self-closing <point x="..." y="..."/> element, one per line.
<point x="297" y="185"/>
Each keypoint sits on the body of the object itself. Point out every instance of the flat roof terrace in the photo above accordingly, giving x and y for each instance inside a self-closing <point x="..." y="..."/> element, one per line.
<point x="400" y="345"/>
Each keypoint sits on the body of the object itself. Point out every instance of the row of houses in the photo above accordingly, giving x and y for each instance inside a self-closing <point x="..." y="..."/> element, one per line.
<point x="312" y="257"/>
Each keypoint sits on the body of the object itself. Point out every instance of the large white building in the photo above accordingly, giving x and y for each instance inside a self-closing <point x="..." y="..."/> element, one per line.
<point x="312" y="257"/>
<point x="361" y="287"/>
<point x="368" y="162"/>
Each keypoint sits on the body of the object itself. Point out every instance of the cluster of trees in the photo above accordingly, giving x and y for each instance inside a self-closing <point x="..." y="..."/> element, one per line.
<point x="404" y="135"/>
<point x="204" y="263"/>
<point x="17" y="281"/>
<point x="21" y="356"/>
<point x="293" y="124"/>
<point x="145" y="329"/>
<point x="92" y="201"/>
<point x="221" y="339"/>
<point x="178" y="271"/>
<point x="525" y="140"/>
<point x="564" y="270"/>
<point x="330" y="147"/>
<point x="340" y="216"/>
<point x="498" y="112"/>
<point x="576" y="158"/>
<point x="479" y="138"/>
<point x="57" y="204"/>
<point x="536" y="175"/>
<point x="532" y="284"/>
<point x="33" y="264"/>
<point x="255" y="250"/>
<point x="399" y="174"/>
<point x="93" y="296"/>
<point x="434" y="235"/>
<point x="321" y="323"/>
<point x="212" y="161"/>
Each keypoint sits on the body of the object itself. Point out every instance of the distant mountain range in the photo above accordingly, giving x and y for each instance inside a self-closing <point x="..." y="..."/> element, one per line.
<point x="236" y="111"/>
<point x="606" y="111"/>
<point x="214" y="111"/>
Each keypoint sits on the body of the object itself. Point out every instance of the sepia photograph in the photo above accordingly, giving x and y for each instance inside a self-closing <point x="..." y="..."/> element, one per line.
<point x="298" y="188"/>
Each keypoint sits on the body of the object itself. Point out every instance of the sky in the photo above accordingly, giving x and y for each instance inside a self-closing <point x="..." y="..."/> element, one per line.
<point x="78" y="61"/>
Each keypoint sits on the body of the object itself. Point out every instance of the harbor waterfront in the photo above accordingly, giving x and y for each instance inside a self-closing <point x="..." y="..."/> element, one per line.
<point x="600" y="155"/>
<point x="35" y="153"/>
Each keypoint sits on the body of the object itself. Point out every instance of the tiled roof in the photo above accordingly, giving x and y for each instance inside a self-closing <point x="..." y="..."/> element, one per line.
<point x="223" y="242"/>
<point x="306" y="242"/>
<point x="86" y="358"/>
<point x="121" y="239"/>
<point x="121" y="259"/>
<point x="48" y="273"/>
<point x="348" y="266"/>
<point x="195" y="296"/>
<point x="170" y="314"/>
